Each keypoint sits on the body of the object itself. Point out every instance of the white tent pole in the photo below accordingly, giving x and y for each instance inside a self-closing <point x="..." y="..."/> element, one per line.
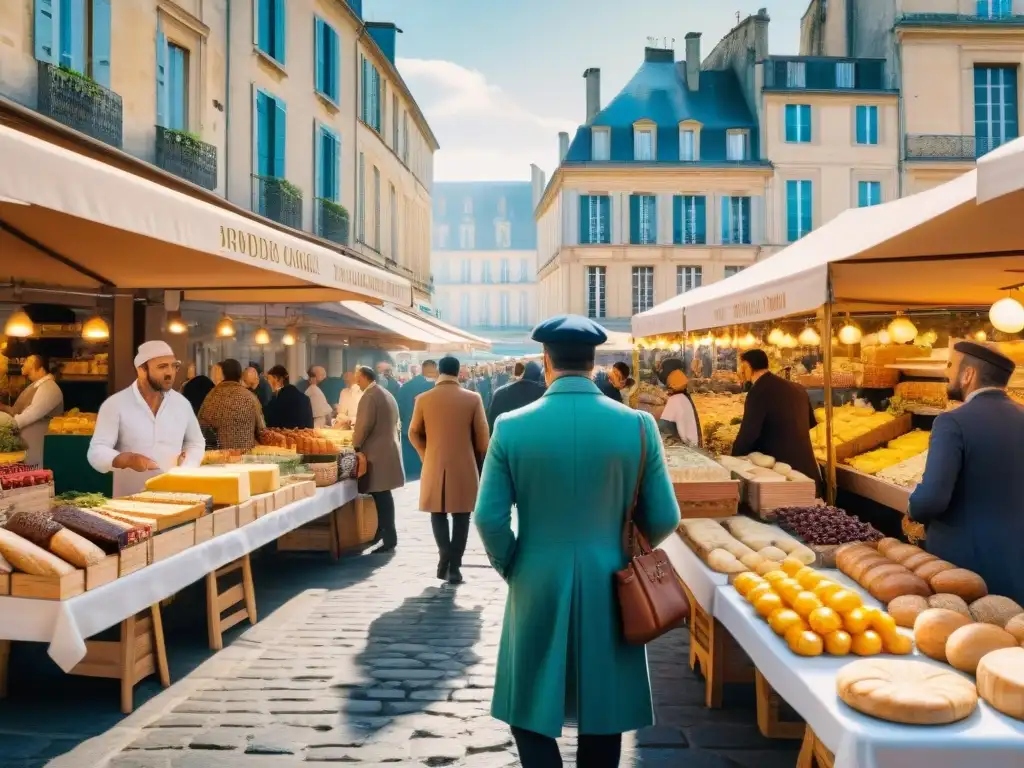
<point x="826" y="342"/>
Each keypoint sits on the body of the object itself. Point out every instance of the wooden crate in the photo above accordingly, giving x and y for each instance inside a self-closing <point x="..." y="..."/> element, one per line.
<point x="48" y="587"/>
<point x="249" y="510"/>
<point x="764" y="498"/>
<point x="172" y="542"/>
<point x="133" y="559"/>
<point x="714" y="499"/>
<point x="876" y="437"/>
<point x="317" y="536"/>
<point x="104" y="572"/>
<point x="225" y="520"/>
<point x="204" y="528"/>
<point x="5" y="584"/>
<point x="35" y="498"/>
<point x="283" y="497"/>
<point x="304" y="490"/>
<point x="719" y="656"/>
<point x="814" y="754"/>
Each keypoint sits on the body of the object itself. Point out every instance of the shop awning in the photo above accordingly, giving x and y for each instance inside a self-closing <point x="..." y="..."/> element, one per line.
<point x="388" y="321"/>
<point x="938" y="248"/>
<point x="73" y="221"/>
<point x="1001" y="172"/>
<point x="456" y="336"/>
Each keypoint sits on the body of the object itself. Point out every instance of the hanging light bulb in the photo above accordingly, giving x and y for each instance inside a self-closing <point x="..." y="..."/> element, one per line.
<point x="289" y="337"/>
<point x="225" y="328"/>
<point x="775" y="336"/>
<point x="981" y="336"/>
<point x="676" y="347"/>
<point x="95" y="329"/>
<point x="707" y="340"/>
<point x="884" y="338"/>
<point x="850" y="334"/>
<point x="19" y="325"/>
<point x="1006" y="315"/>
<point x="902" y="330"/>
<point x="261" y="337"/>
<point x="809" y="337"/>
<point x="176" y="323"/>
<point x="789" y="341"/>
<point x="929" y="338"/>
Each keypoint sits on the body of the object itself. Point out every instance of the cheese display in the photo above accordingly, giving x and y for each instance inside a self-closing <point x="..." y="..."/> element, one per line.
<point x="225" y="487"/>
<point x="263" y="478"/>
<point x="762" y="539"/>
<point x="689" y="465"/>
<point x="970" y="643"/>
<point x="169" y="497"/>
<point x="74" y="422"/>
<point x="908" y="473"/>
<point x="849" y="422"/>
<point x="932" y="394"/>
<point x="905" y="691"/>
<point x="30" y="558"/>
<point x="159" y="516"/>
<point x="1000" y="680"/>
<point x="896" y="451"/>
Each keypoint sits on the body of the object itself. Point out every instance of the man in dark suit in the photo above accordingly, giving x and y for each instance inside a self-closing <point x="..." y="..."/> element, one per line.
<point x="288" y="408"/>
<point x="517" y="394"/>
<point x="777" y="417"/>
<point x="971" y="500"/>
<point x="406" y="398"/>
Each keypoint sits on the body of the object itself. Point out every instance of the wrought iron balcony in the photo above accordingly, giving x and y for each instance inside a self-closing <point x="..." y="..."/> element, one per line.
<point x="277" y="199"/>
<point x="186" y="156"/>
<point x="924" y="146"/>
<point x="331" y="221"/>
<point x="80" y="103"/>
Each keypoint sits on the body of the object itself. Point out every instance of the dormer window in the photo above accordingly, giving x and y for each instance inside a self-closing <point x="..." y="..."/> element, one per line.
<point x="689" y="141"/>
<point x="600" y="149"/>
<point x="643" y="142"/>
<point x="796" y="74"/>
<point x="737" y="145"/>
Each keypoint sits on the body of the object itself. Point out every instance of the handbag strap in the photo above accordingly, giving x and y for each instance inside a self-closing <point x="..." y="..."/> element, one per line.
<point x="631" y="534"/>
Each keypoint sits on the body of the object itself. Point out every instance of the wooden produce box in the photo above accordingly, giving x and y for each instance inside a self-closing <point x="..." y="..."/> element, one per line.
<point x="35" y="498"/>
<point x="249" y="510"/>
<point x="133" y="558"/>
<point x="204" y="528"/>
<point x="764" y="498"/>
<point x="316" y="536"/>
<point x="283" y="496"/>
<point x="870" y="487"/>
<point x="48" y="587"/>
<point x="225" y="520"/>
<point x="172" y="542"/>
<point x="720" y="498"/>
<point x="104" y="572"/>
<point x="877" y="437"/>
<point x="5" y="584"/>
<point x="304" y="490"/>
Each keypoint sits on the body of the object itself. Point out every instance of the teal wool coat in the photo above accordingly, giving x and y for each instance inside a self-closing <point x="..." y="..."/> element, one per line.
<point x="569" y="464"/>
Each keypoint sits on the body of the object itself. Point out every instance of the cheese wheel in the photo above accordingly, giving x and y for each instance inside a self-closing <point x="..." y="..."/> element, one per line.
<point x="1000" y="678"/>
<point x="906" y="608"/>
<point x="932" y="629"/>
<point x="967" y="645"/>
<point x="931" y="568"/>
<point x="904" y="691"/>
<point x="961" y="582"/>
<point x="891" y="585"/>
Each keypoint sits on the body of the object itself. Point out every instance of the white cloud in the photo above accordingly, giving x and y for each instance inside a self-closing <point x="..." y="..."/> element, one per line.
<point x="484" y="134"/>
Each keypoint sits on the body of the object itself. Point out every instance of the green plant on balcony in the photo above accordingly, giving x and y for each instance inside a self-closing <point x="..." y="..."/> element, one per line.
<point x="333" y="221"/>
<point x="188" y="141"/>
<point x="334" y="209"/>
<point x="283" y="188"/>
<point x="78" y="82"/>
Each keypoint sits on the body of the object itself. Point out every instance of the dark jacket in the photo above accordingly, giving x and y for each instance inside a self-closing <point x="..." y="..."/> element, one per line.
<point x="263" y="391"/>
<point x="406" y="399"/>
<point x="605" y="385"/>
<point x="289" y="409"/>
<point x="517" y="394"/>
<point x="971" y="500"/>
<point x="777" y="421"/>
<point x="390" y="384"/>
<point x="196" y="389"/>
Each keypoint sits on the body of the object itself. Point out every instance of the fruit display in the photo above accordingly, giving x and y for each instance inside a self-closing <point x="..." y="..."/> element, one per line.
<point x="815" y="615"/>
<point x="883" y="578"/>
<point x="823" y="525"/>
<point x="23" y="476"/>
<point x="760" y="468"/>
<point x="905" y="691"/>
<point x="1000" y="680"/>
<point x="896" y="451"/>
<point x="690" y="465"/>
<point x="74" y="422"/>
<point x="908" y="473"/>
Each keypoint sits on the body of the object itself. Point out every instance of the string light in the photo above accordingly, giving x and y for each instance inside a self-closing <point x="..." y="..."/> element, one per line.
<point x="902" y="330"/>
<point x="1007" y="315"/>
<point x="19" y="325"/>
<point x="95" y="329"/>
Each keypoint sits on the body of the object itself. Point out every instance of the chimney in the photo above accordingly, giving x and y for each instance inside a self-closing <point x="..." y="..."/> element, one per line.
<point x="693" y="61"/>
<point x="593" y="78"/>
<point x="537" y="182"/>
<point x="563" y="145"/>
<point x="384" y="34"/>
<point x="761" y="21"/>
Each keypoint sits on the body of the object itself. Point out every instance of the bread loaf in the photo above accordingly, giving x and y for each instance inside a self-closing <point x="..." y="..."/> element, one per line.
<point x="960" y="582"/>
<point x="884" y="545"/>
<point x="1015" y="627"/>
<point x="931" y="568"/>
<point x="906" y="608"/>
<point x="5" y="567"/>
<point x="30" y="558"/>
<point x="75" y="549"/>
<point x="863" y="563"/>
<point x="903" y="691"/>
<point x="891" y="585"/>
<point x="33" y="526"/>
<point x="876" y="572"/>
<point x="933" y="628"/>
<point x="917" y="560"/>
<point x="846" y="553"/>
<point x="901" y="552"/>
<point x="101" y="531"/>
<point x="995" y="609"/>
<point x="967" y="645"/>
<point x="950" y="603"/>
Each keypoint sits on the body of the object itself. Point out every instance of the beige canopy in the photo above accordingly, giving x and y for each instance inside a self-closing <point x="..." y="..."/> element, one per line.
<point x="423" y="331"/>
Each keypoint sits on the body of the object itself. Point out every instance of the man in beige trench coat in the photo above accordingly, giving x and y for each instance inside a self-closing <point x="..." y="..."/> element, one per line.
<point x="449" y="432"/>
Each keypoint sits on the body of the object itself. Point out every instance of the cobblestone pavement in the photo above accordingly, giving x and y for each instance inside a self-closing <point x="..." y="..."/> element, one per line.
<point x="374" y="661"/>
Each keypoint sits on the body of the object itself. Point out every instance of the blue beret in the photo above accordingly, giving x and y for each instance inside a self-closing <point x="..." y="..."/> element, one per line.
<point x="569" y="329"/>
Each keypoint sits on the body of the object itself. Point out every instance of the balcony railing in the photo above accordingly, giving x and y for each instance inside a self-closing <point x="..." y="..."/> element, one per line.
<point x="331" y="221"/>
<point x="277" y="199"/>
<point x="949" y="147"/>
<point x="80" y="103"/>
<point x="186" y="156"/>
<point x="997" y="16"/>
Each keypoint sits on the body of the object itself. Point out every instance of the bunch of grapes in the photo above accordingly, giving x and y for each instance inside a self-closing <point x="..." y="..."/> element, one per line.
<point x="825" y="525"/>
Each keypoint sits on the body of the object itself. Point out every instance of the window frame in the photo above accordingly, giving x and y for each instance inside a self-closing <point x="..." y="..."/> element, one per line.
<point x="331" y="61"/>
<point x="694" y="272"/>
<point x="596" y="284"/>
<point x="802" y="228"/>
<point x="802" y="129"/>
<point x="867" y="110"/>
<point x="728" y="225"/>
<point x="744" y="135"/>
<point x="279" y="45"/>
<point x="606" y="133"/>
<point x="642" y="295"/>
<point x="642" y="128"/>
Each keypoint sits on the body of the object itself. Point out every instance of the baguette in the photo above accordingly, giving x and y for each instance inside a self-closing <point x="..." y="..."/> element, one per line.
<point x="31" y="559"/>
<point x="75" y="549"/>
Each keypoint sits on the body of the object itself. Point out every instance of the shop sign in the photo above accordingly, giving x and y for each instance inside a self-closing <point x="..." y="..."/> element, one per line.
<point x="745" y="309"/>
<point x="803" y="292"/>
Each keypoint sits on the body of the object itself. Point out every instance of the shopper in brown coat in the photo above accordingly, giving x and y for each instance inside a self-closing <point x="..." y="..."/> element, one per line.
<point x="449" y="432"/>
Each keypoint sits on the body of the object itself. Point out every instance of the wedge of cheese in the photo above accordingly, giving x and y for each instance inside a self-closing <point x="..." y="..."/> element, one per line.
<point x="164" y="497"/>
<point x="225" y="487"/>
<point x="263" y="478"/>
<point x="162" y="516"/>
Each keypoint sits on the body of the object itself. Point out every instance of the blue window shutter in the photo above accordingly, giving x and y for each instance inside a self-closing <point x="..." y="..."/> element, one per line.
<point x="101" y="20"/>
<point x="725" y="218"/>
<point x="791" y="211"/>
<point x="72" y="52"/>
<point x="873" y="113"/>
<point x="790" y="122"/>
<point x="320" y="54"/>
<point x="805" y="111"/>
<point x="584" y="219"/>
<point x="161" y="75"/>
<point x="861" y="125"/>
<point x="700" y="207"/>
<point x="47" y="29"/>
<point x="862" y="194"/>
<point x="261" y="128"/>
<point x="634" y="219"/>
<point x="333" y="76"/>
<point x="806" y="207"/>
<point x="678" y="222"/>
<point x="279" y="30"/>
<point x="335" y="189"/>
<point x="318" y="160"/>
<point x="605" y="213"/>
<point x="262" y="13"/>
<point x="280" y="126"/>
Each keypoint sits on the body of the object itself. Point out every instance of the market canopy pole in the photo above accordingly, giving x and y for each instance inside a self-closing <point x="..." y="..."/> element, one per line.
<point x="826" y="342"/>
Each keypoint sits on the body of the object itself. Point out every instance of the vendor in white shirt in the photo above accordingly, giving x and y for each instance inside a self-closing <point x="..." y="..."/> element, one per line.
<point x="348" y="403"/>
<point x="679" y="418"/>
<point x="40" y="401"/>
<point x="322" y="410"/>
<point x="147" y="428"/>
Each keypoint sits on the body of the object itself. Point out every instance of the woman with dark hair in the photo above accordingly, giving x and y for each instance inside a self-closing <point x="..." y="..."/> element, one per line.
<point x="288" y="408"/>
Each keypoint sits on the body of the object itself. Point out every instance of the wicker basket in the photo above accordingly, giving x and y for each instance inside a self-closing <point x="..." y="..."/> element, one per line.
<point x="357" y="523"/>
<point x="326" y="473"/>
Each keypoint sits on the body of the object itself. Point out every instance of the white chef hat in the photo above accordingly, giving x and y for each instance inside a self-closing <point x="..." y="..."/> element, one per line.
<point x="148" y="350"/>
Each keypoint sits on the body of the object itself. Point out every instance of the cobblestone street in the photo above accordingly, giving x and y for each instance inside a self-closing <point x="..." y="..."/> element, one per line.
<point x="373" y="661"/>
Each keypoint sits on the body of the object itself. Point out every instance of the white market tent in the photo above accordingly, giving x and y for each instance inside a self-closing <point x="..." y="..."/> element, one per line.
<point x="938" y="248"/>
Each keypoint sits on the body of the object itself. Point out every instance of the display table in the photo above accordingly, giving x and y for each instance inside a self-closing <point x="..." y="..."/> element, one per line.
<point x="698" y="578"/>
<point x="66" y="624"/>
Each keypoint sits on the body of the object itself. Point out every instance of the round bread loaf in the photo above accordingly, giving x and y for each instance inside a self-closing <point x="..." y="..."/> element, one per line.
<point x="1015" y="627"/>
<point x="931" y="568"/>
<point x="967" y="645"/>
<point x="933" y="628"/>
<point x="950" y="603"/>
<point x="901" y="552"/>
<point x="889" y="586"/>
<point x="903" y="691"/>
<point x="995" y="609"/>
<point x="916" y="561"/>
<point x="906" y="608"/>
<point x="884" y="545"/>
<point x="960" y="582"/>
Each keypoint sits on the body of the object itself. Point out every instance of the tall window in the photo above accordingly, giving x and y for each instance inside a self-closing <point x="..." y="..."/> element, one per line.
<point x="485" y="272"/>
<point x="995" y="107"/>
<point x="643" y="289"/>
<point x="361" y="200"/>
<point x="995" y="9"/>
<point x="466" y="270"/>
<point x="376" y="207"/>
<point x="736" y="220"/>
<point x="76" y="34"/>
<point x="796" y="74"/>
<point x="689" y="220"/>
<point x="868" y="193"/>
<point x="524" y="270"/>
<point x="464" y="310"/>
<point x="405" y="138"/>
<point x="328" y="161"/>
<point x="467" y="235"/>
<point x="503" y="273"/>
<point x="732" y="270"/>
<point x="369" y="104"/>
<point x="736" y="146"/>
<point x="600" y="149"/>
<point x="270" y="126"/>
<point x="846" y="74"/>
<point x="524" y="309"/>
<point x="596" y="307"/>
<point x="503" y="310"/>
<point x="484" y="309"/>
<point x="643" y="220"/>
<point x="799" y="205"/>
<point x="394" y="123"/>
<point x="394" y="222"/>
<point x="270" y="28"/>
<point x="503" y="233"/>
<point x="687" y="144"/>
<point x="441" y="235"/>
<point x="643" y="144"/>
<point x="328" y="59"/>
<point x="595" y="220"/>
<point x="867" y="124"/>
<point x="177" y="87"/>
<point x="688" y="278"/>
<point x="798" y="123"/>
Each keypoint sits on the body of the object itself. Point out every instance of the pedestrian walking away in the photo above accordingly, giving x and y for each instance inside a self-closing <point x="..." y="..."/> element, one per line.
<point x="518" y="394"/>
<point x="412" y="389"/>
<point x="563" y="656"/>
<point x="449" y="432"/>
<point x="376" y="437"/>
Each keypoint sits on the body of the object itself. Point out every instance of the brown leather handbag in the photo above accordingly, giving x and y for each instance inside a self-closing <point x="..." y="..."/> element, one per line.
<point x="651" y="597"/>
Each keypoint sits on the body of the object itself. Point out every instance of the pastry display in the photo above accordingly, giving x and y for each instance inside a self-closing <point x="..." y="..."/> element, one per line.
<point x="689" y="465"/>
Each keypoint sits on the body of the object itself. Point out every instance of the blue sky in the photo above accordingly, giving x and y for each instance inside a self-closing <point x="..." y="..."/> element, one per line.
<point x="498" y="79"/>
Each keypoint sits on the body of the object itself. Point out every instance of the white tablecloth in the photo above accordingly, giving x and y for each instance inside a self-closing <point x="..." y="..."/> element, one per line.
<point x="66" y="624"/>
<point x="986" y="739"/>
<point x="699" y="579"/>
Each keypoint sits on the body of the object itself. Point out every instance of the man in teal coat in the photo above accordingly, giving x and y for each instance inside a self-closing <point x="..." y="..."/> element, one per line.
<point x="406" y="398"/>
<point x="569" y="464"/>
